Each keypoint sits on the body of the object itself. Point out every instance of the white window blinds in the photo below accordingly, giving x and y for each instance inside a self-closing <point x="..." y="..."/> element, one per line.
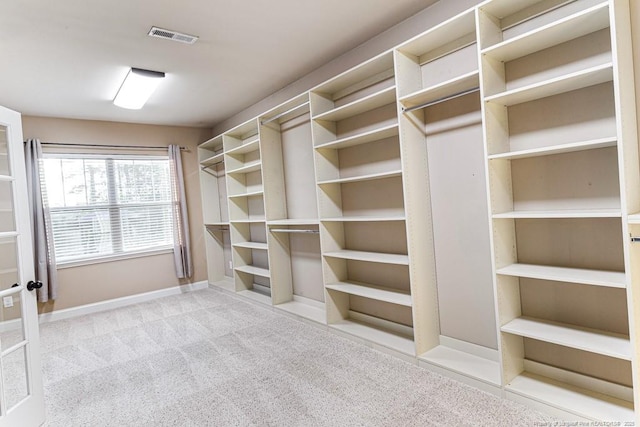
<point x="103" y="206"/>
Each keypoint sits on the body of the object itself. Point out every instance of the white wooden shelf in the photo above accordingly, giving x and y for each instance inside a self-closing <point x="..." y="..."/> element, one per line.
<point x="294" y="221"/>
<point x="573" y="81"/>
<point x="401" y="343"/>
<point x="256" y="295"/>
<point x="378" y="293"/>
<point x="579" y="401"/>
<point x="213" y="160"/>
<point x="571" y="27"/>
<point x="227" y="283"/>
<point x="363" y="72"/>
<point x="248" y="221"/>
<point x="368" y="177"/>
<point x="308" y="311"/>
<point x="249" y="167"/>
<point x="248" y="194"/>
<point x="612" y="279"/>
<point x="557" y="149"/>
<point x="461" y="26"/>
<point x="464" y="363"/>
<point x="248" y="147"/>
<point x="368" y="103"/>
<point x="217" y="224"/>
<point x="458" y="84"/>
<point x="256" y="271"/>
<point x="564" y="213"/>
<point x="362" y="138"/>
<point x="369" y="257"/>
<point x="251" y="245"/>
<point x="586" y="339"/>
<point x="364" y="218"/>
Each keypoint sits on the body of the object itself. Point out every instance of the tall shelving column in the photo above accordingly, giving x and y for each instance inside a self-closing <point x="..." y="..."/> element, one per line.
<point x="361" y="205"/>
<point x="215" y="213"/>
<point x="292" y="223"/>
<point x="247" y="217"/>
<point x="441" y="126"/>
<point x="563" y="173"/>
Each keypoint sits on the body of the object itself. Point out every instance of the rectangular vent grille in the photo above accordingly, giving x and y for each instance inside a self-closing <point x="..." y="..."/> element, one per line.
<point x="162" y="33"/>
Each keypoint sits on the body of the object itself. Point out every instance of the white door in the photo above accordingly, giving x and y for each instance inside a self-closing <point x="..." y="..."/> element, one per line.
<point x="21" y="393"/>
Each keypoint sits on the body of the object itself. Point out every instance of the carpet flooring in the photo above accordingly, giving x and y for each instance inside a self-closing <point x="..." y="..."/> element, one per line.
<point x="208" y="358"/>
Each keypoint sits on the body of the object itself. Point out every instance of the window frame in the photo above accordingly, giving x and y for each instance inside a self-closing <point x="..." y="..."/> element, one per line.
<point x="118" y="255"/>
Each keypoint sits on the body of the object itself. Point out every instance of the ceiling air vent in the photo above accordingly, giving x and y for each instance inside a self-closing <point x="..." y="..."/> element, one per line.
<point x="172" y="35"/>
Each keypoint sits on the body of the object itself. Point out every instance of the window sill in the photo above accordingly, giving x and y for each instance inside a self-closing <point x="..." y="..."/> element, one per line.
<point x="112" y="258"/>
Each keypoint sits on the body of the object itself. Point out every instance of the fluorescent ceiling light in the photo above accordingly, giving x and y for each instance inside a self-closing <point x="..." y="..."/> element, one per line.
<point x="137" y="88"/>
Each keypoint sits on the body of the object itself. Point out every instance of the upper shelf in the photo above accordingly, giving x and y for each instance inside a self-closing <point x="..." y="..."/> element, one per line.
<point x="565" y="213"/>
<point x="368" y="103"/>
<point x="368" y="177"/>
<point x="459" y="27"/>
<point x="375" y="66"/>
<point x="362" y="138"/>
<point x="611" y="279"/>
<point x="571" y="27"/>
<point x="433" y="93"/>
<point x="213" y="160"/>
<point x="586" y="339"/>
<point x="573" y="81"/>
<point x="557" y="149"/>
<point x="249" y="167"/>
<point x="247" y="147"/>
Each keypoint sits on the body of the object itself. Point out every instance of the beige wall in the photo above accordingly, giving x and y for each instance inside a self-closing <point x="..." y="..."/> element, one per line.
<point x="98" y="282"/>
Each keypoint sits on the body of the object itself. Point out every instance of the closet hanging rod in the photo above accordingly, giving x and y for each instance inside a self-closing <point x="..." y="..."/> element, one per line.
<point x="291" y="110"/>
<point x="441" y="100"/>
<point x="127" y="147"/>
<point x="293" y="230"/>
<point x="535" y="15"/>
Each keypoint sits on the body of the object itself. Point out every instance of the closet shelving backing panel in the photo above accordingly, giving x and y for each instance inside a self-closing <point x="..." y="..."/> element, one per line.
<point x="485" y="169"/>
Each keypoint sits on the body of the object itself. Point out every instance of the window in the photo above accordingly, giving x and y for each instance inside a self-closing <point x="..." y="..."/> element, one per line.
<point x="107" y="206"/>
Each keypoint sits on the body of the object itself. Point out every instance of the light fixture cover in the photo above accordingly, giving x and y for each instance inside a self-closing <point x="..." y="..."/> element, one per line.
<point x="137" y="87"/>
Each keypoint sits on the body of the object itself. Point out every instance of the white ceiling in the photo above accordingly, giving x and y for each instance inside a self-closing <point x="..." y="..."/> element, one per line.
<point x="67" y="58"/>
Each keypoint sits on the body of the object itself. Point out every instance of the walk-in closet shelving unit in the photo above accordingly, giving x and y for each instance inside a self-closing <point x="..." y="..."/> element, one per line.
<point x="215" y="213"/>
<point x="563" y="173"/>
<point x="247" y="211"/>
<point x="476" y="189"/>
<point x="294" y="242"/>
<point x="362" y="207"/>
<point x="438" y="93"/>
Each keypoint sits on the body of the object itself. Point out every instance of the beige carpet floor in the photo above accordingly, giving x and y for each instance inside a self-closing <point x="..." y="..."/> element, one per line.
<point x="208" y="358"/>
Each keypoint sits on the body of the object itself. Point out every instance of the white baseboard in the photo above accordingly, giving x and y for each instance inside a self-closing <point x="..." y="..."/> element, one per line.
<point x="120" y="302"/>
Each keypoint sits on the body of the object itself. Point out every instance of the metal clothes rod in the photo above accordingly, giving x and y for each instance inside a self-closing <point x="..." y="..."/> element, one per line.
<point x="440" y="100"/>
<point x="289" y="230"/>
<point x="132" y="147"/>
<point x="291" y="110"/>
<point x="529" y="18"/>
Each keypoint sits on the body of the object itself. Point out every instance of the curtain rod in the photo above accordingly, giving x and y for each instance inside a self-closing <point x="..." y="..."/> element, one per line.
<point x="131" y="147"/>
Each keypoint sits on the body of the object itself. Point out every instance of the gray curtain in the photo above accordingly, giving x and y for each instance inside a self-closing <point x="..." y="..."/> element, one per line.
<point x="181" y="243"/>
<point x="43" y="251"/>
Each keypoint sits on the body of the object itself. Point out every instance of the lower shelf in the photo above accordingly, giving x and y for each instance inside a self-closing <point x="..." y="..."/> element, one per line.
<point x="565" y="397"/>
<point x="256" y="271"/>
<point x="314" y="311"/>
<point x="256" y="294"/>
<point x="382" y="336"/>
<point x="227" y="284"/>
<point x="470" y="365"/>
